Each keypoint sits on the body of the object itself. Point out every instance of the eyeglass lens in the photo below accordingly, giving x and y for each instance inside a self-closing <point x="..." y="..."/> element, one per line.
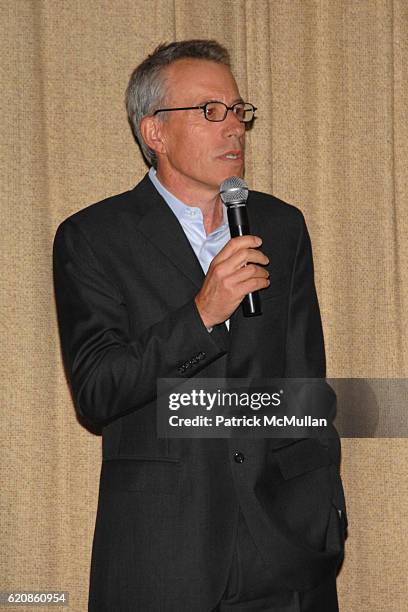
<point x="217" y="111"/>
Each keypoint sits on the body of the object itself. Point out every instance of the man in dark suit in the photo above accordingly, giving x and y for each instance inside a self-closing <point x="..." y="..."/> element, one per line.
<point x="148" y="285"/>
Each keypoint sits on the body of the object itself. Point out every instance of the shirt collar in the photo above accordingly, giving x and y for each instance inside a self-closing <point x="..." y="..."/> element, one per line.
<point x="182" y="211"/>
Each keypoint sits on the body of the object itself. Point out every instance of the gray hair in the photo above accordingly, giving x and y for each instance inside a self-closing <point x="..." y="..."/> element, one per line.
<point x="146" y="90"/>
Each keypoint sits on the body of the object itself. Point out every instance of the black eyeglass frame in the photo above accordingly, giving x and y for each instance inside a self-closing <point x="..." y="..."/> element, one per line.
<point x="203" y="107"/>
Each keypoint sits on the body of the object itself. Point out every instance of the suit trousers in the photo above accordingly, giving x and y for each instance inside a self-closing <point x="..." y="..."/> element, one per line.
<point x="250" y="589"/>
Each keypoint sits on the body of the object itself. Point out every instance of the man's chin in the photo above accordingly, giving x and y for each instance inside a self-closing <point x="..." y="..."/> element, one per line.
<point x="238" y="170"/>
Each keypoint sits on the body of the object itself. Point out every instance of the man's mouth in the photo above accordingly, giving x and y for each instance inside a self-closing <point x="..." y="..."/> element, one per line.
<point x="232" y="155"/>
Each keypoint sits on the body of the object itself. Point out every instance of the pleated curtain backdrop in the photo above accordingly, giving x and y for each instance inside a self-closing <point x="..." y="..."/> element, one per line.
<point x="330" y="81"/>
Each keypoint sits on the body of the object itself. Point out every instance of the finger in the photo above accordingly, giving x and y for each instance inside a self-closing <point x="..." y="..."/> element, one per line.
<point x="240" y="259"/>
<point x="237" y="261"/>
<point x="248" y="272"/>
<point x="253" y="284"/>
<point x="235" y="244"/>
<point x="246" y="256"/>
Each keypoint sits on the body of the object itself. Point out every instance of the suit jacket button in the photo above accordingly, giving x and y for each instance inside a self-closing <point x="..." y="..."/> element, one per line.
<point x="239" y="458"/>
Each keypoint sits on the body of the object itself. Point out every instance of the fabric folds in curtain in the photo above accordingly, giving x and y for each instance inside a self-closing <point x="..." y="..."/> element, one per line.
<point x="330" y="82"/>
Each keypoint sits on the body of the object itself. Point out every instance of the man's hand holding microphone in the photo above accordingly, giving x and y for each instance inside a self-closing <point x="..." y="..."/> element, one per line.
<point x="236" y="271"/>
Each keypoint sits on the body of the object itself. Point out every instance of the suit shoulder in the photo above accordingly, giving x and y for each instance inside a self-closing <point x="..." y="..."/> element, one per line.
<point x="270" y="210"/>
<point x="90" y="222"/>
<point x="270" y="204"/>
<point x="111" y="215"/>
<point x="101" y="211"/>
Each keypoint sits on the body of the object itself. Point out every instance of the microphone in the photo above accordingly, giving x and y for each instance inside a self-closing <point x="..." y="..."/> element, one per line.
<point x="234" y="194"/>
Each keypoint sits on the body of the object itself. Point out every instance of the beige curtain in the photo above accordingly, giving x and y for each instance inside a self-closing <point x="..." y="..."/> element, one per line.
<point x="330" y="80"/>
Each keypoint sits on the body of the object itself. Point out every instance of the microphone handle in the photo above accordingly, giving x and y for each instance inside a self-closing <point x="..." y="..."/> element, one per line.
<point x="239" y="226"/>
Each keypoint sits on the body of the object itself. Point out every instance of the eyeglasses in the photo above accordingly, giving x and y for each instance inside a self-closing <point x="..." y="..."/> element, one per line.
<point x="217" y="111"/>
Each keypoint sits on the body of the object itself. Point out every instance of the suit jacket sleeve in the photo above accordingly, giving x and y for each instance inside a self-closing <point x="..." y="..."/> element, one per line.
<point x="305" y="354"/>
<point x="110" y="373"/>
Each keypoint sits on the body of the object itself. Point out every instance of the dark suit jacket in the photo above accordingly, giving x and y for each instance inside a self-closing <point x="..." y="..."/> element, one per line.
<point x="125" y="280"/>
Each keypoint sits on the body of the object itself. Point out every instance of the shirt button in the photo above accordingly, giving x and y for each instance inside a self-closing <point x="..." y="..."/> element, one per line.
<point x="239" y="458"/>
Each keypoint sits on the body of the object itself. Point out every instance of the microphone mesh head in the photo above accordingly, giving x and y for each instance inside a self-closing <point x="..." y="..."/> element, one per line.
<point x="233" y="190"/>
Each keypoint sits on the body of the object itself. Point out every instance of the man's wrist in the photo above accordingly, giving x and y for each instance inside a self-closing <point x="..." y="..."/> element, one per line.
<point x="208" y="324"/>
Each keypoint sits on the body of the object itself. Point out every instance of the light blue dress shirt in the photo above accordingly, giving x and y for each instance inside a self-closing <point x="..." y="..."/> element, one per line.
<point x="191" y="220"/>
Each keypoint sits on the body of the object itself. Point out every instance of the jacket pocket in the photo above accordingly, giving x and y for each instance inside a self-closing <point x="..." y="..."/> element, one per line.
<point x="301" y="457"/>
<point x="159" y="476"/>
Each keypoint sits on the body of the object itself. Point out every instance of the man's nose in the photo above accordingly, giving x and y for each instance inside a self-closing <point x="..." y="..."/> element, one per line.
<point x="232" y="125"/>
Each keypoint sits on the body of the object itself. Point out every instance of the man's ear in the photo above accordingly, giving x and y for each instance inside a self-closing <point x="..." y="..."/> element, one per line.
<point x="150" y="128"/>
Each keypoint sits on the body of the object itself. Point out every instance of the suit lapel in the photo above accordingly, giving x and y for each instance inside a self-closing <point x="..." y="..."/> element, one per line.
<point x="161" y="227"/>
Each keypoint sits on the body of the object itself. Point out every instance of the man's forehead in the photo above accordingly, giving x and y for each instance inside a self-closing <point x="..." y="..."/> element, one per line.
<point x="201" y="77"/>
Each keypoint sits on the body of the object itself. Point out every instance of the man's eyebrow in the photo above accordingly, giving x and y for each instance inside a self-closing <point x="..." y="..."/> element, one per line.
<point x="208" y="100"/>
